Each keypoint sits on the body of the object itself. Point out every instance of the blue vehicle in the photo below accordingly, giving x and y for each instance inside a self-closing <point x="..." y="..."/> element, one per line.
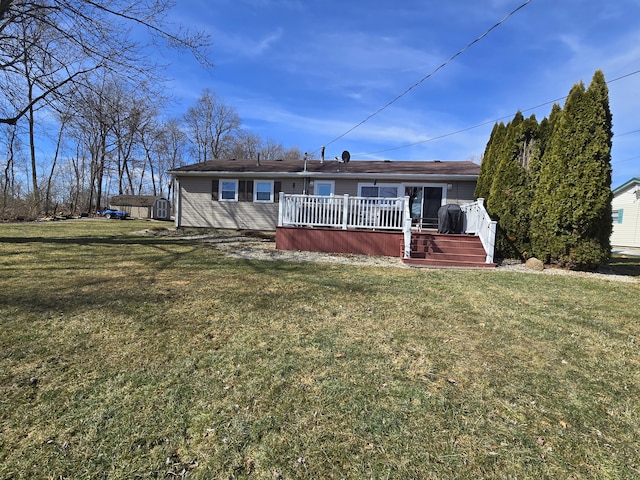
<point x="110" y="213"/>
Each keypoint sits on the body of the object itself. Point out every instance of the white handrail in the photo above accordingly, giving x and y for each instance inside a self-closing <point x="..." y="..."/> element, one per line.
<point x="478" y="222"/>
<point x="343" y="211"/>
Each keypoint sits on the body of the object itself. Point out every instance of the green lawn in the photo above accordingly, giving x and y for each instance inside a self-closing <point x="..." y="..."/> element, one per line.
<point x="124" y="356"/>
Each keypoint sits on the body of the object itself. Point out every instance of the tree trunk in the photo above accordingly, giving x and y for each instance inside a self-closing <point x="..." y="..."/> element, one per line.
<point x="47" y="201"/>
<point x="34" y="168"/>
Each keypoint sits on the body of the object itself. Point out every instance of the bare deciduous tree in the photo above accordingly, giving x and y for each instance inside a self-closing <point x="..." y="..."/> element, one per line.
<point x="212" y="125"/>
<point x="164" y="145"/>
<point x="88" y="35"/>
<point x="293" y="153"/>
<point x="246" y="145"/>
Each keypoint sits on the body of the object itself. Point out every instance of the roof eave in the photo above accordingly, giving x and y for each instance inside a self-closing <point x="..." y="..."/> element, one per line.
<point x="412" y="177"/>
<point x="625" y="185"/>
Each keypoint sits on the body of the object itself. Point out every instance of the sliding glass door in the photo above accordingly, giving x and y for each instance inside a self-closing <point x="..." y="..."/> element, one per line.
<point x="425" y="202"/>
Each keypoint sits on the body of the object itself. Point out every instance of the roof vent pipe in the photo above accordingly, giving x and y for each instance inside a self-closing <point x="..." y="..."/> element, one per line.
<point x="305" y="161"/>
<point x="322" y="157"/>
<point x="258" y="158"/>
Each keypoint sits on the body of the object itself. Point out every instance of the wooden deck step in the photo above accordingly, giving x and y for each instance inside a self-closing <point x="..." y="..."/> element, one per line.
<point x="447" y="251"/>
<point x="436" y="263"/>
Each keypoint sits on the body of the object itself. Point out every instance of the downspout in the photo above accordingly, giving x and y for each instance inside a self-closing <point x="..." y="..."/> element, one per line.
<point x="305" y="182"/>
<point x="177" y="192"/>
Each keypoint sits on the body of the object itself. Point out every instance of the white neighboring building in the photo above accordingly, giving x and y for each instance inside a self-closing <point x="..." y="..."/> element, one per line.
<point x="626" y="214"/>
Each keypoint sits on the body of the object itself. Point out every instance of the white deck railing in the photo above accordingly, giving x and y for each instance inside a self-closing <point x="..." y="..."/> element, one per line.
<point x="478" y="222"/>
<point x="346" y="212"/>
<point x="342" y="212"/>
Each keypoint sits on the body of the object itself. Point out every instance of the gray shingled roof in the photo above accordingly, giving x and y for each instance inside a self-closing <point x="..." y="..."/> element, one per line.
<point x="133" y="200"/>
<point x="433" y="167"/>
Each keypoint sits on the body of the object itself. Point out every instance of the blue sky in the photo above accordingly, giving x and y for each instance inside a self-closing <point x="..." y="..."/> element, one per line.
<point x="305" y="72"/>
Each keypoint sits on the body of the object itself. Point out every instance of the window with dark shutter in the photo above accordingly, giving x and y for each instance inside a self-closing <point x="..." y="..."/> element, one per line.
<point x="228" y="191"/>
<point x="214" y="189"/>
<point x="245" y="191"/>
<point x="277" y="188"/>
<point x="249" y="191"/>
<point x="264" y="190"/>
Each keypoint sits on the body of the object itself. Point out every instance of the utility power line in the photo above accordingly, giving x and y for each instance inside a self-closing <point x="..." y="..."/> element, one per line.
<point x="440" y="137"/>
<point x="447" y="62"/>
<point x="627" y="133"/>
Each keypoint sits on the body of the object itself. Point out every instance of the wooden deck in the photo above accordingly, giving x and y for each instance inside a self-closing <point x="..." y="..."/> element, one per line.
<point x="382" y="226"/>
<point x="333" y="240"/>
<point x="428" y="249"/>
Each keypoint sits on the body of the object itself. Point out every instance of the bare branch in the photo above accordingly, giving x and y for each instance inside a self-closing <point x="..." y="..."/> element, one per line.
<point x="39" y="98"/>
<point x="83" y="36"/>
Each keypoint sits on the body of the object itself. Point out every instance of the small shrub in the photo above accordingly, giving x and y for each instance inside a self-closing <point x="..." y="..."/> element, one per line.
<point x="587" y="256"/>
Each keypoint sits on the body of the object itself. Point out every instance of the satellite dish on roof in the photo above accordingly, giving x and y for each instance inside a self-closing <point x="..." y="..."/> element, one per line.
<point x="346" y="156"/>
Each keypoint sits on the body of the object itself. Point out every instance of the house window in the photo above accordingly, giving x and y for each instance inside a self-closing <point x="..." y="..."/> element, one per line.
<point x="617" y="215"/>
<point x="263" y="191"/>
<point x="324" y="189"/>
<point x="224" y="190"/>
<point x="266" y="191"/>
<point x="381" y="190"/>
<point x="228" y="190"/>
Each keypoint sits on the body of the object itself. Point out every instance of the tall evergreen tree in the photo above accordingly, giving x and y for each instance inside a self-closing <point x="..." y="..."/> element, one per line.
<point x="591" y="217"/>
<point x="545" y="130"/>
<point x="510" y="197"/>
<point x="490" y="160"/>
<point x="549" y="209"/>
<point x="547" y="125"/>
<point x="571" y="209"/>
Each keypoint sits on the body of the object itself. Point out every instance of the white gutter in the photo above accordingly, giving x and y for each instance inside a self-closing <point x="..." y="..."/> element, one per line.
<point x="409" y="177"/>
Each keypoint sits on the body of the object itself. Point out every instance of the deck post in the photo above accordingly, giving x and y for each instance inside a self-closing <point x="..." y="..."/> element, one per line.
<point x="492" y="227"/>
<point x="407" y="228"/>
<point x="345" y="212"/>
<point x="280" y="208"/>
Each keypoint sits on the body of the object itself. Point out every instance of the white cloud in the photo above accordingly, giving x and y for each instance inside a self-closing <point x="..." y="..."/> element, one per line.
<point x="240" y="47"/>
<point x="359" y="66"/>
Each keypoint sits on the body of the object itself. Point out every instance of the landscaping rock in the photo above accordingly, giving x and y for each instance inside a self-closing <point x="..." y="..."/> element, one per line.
<point x="534" y="264"/>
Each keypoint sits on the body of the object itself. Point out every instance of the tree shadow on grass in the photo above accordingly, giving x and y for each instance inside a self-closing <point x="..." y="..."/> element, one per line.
<point x="136" y="273"/>
<point x="84" y="272"/>
<point x="625" y="265"/>
<point x="91" y="240"/>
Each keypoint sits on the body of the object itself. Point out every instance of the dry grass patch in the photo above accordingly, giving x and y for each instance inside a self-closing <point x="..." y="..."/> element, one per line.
<point x="125" y="356"/>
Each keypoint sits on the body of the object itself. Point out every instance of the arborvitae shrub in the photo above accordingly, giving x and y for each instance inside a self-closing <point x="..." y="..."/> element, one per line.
<point x="510" y="196"/>
<point x="490" y="161"/>
<point x="549" y="185"/>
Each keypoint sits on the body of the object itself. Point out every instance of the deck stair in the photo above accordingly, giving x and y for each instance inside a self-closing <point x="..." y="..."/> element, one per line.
<point x="447" y="250"/>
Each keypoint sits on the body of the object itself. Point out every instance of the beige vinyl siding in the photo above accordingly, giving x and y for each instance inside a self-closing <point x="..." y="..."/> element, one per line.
<point x="198" y="209"/>
<point x="346" y="187"/>
<point x="627" y="232"/>
<point x="461" y="192"/>
<point x="293" y="186"/>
